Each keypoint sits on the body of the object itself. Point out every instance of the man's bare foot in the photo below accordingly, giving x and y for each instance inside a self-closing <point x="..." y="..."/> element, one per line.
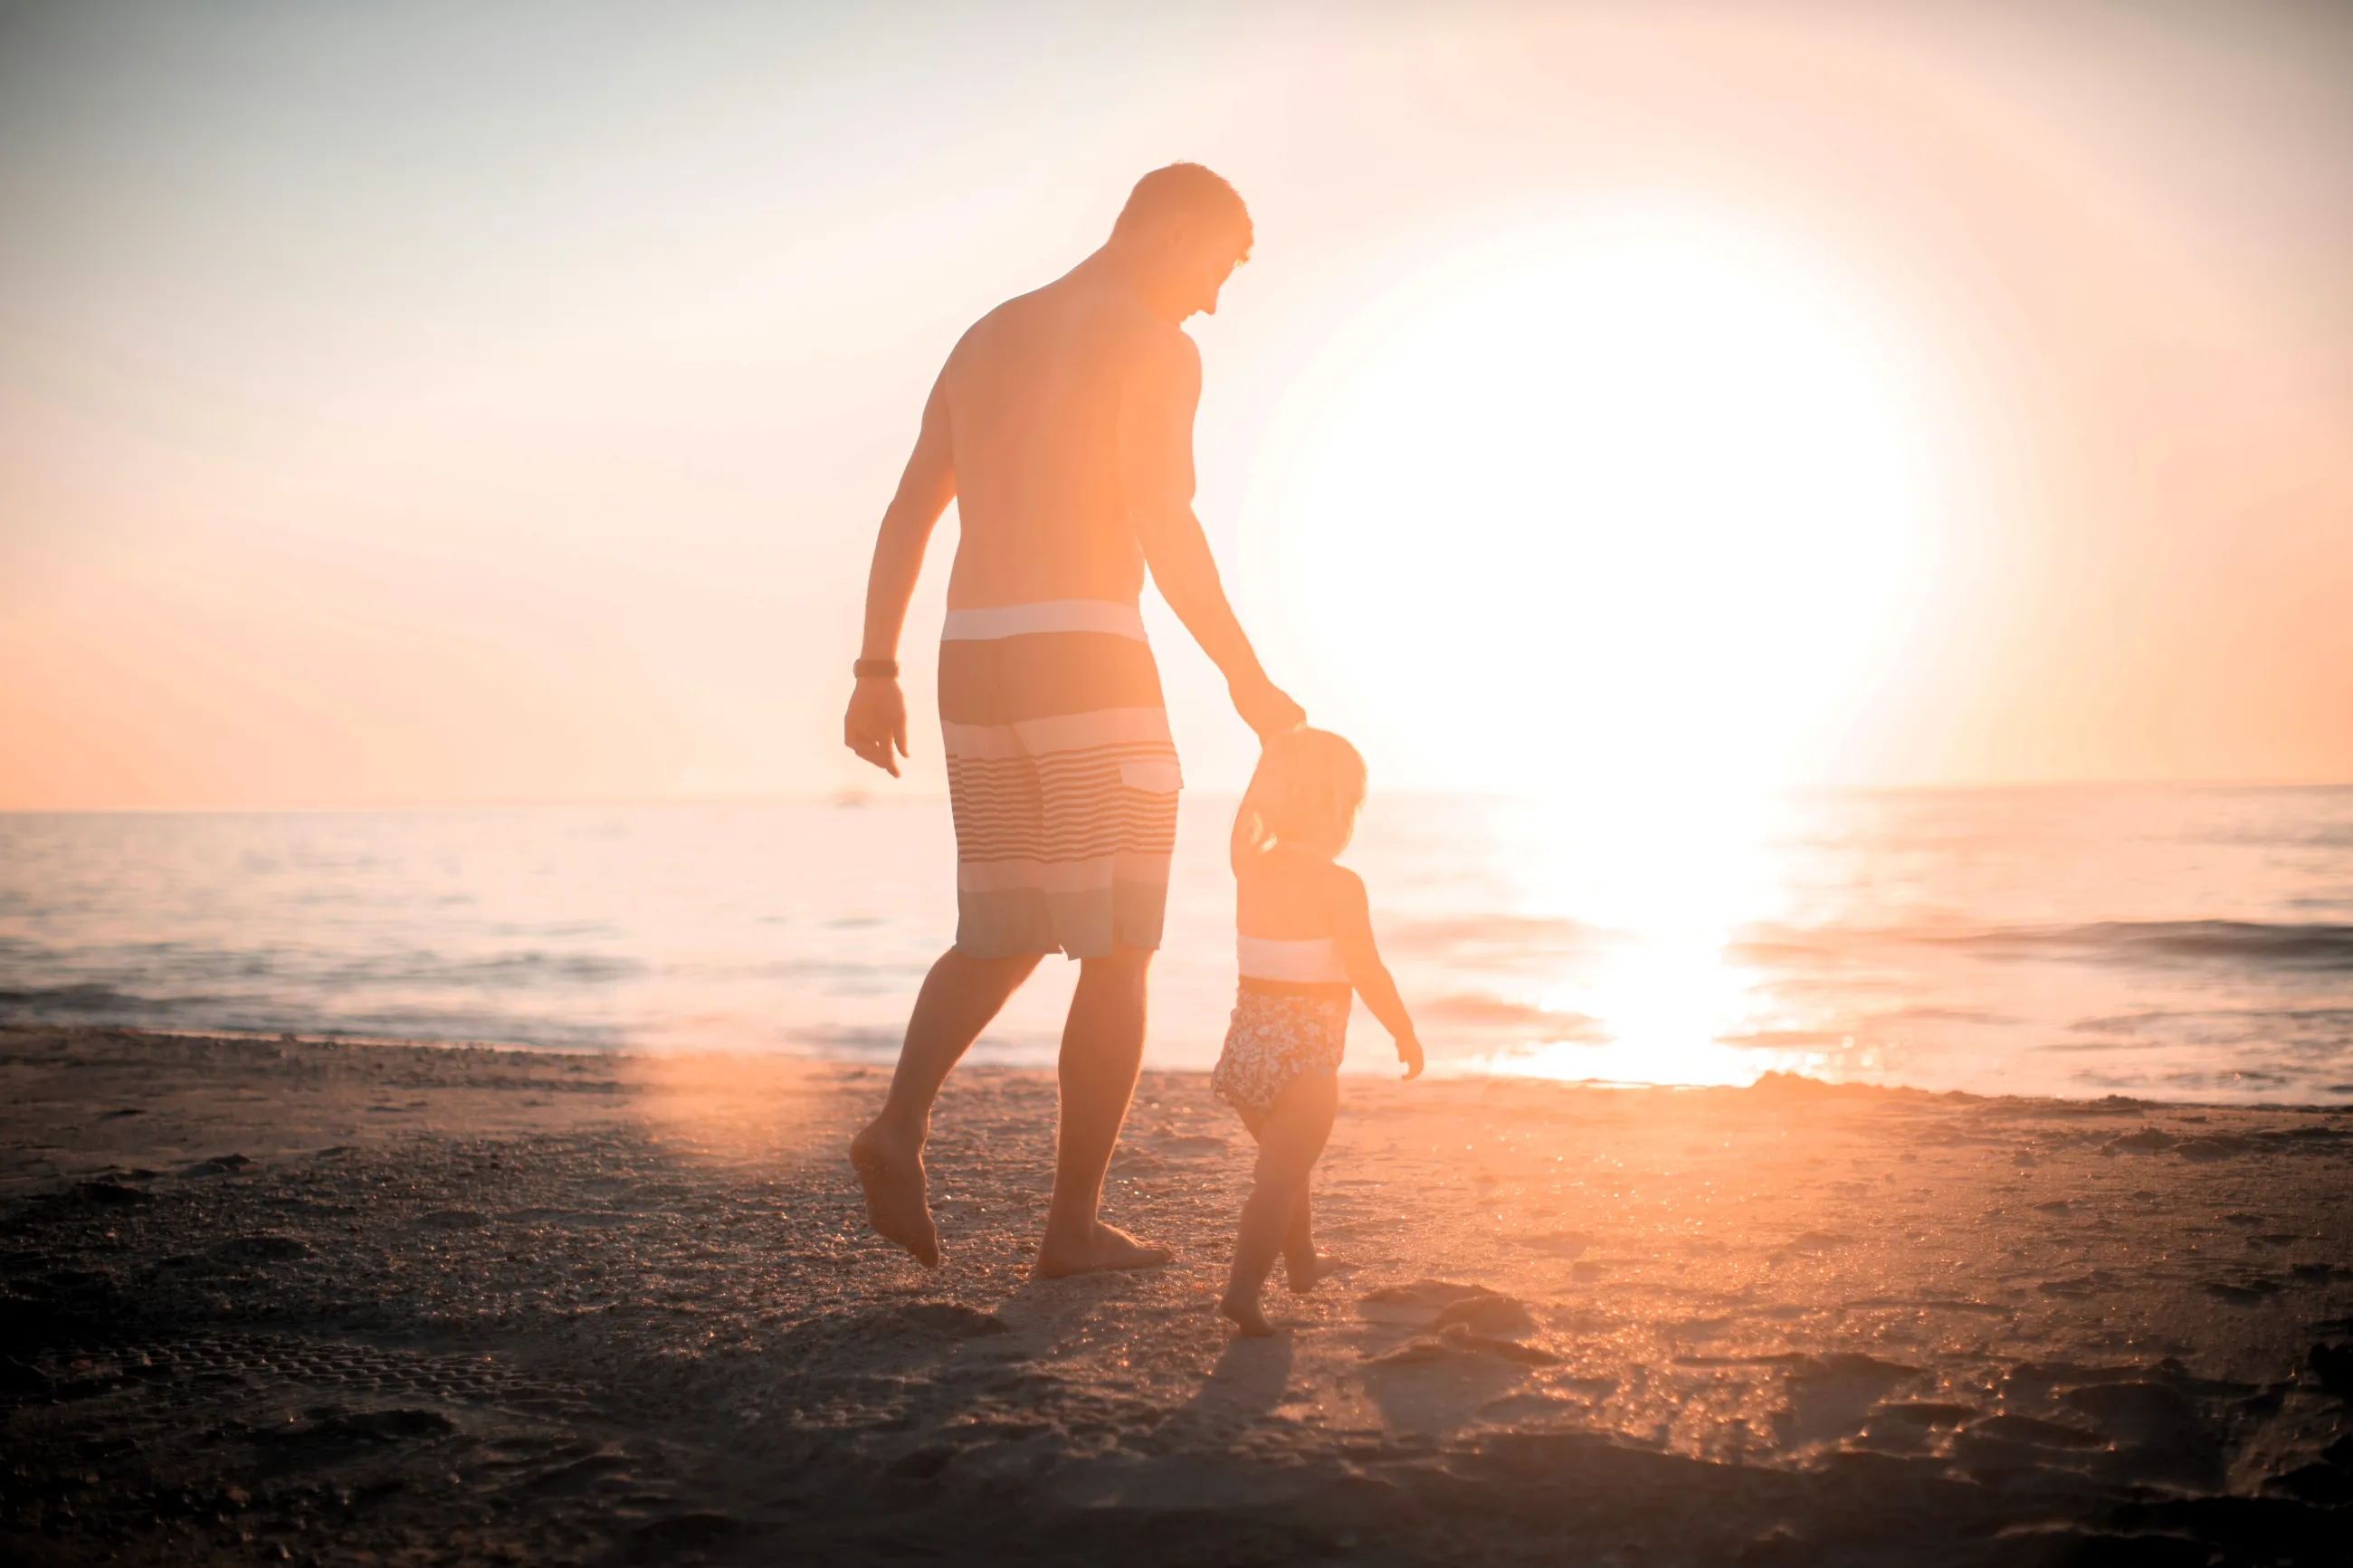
<point x="1108" y="1247"/>
<point x="892" y="1175"/>
<point x="1246" y="1314"/>
<point x="1319" y="1269"/>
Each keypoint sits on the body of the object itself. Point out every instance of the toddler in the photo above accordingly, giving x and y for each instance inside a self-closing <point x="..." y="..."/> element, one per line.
<point x="1305" y="945"/>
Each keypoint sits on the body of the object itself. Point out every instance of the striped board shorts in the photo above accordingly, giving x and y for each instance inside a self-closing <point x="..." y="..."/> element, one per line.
<point x="1062" y="775"/>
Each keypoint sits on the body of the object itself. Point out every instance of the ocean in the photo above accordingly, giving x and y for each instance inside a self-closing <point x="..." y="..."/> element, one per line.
<point x="2159" y="942"/>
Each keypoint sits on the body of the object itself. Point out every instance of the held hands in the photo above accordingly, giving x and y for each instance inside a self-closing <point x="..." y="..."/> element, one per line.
<point x="1264" y="706"/>
<point x="1408" y="1051"/>
<point x="877" y="722"/>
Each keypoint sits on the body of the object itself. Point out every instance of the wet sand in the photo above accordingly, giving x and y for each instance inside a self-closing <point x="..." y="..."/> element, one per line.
<point x="271" y="1301"/>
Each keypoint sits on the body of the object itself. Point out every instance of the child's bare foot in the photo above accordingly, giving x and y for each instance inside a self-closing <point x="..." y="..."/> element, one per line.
<point x="1303" y="1278"/>
<point x="1246" y="1316"/>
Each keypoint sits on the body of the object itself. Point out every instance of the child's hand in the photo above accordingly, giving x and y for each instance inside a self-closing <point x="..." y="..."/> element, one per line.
<point x="1410" y="1053"/>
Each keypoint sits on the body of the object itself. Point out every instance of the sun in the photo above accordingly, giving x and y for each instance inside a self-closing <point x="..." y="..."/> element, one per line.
<point x="1619" y="507"/>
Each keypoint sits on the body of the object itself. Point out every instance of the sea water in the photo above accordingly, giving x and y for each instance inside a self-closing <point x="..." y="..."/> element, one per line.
<point x="2185" y="943"/>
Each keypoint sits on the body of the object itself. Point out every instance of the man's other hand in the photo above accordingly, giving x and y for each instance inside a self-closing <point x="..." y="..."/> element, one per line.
<point x="876" y="725"/>
<point x="1265" y="708"/>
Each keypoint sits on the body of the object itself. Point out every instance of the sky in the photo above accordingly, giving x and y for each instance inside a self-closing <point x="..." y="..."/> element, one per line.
<point x="444" y="404"/>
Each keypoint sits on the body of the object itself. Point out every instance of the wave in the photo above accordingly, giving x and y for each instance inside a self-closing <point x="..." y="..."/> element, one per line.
<point x="2301" y="946"/>
<point x="87" y="1000"/>
<point x="2249" y="943"/>
<point x="1494" y="933"/>
<point x="185" y="963"/>
<point x="90" y="1003"/>
<point x="1495" y="1012"/>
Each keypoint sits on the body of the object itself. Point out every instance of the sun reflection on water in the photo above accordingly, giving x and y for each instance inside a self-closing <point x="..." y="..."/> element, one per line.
<point x="1670" y="880"/>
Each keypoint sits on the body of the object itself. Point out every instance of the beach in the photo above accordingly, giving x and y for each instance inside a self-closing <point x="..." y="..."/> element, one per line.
<point x="277" y="1299"/>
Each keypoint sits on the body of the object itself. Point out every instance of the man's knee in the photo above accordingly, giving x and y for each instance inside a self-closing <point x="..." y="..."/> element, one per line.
<point x="1120" y="966"/>
<point x="997" y="972"/>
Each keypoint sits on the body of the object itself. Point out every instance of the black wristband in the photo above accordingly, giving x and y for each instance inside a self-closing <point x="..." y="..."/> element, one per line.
<point x="886" y="667"/>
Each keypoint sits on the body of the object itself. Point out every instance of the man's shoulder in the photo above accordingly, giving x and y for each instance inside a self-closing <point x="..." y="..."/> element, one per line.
<point x="1097" y="312"/>
<point x="1005" y="319"/>
<point x="1105" y="325"/>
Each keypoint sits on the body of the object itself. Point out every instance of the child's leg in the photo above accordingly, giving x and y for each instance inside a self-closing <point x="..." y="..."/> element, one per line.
<point x="1303" y="1267"/>
<point x="1298" y="1241"/>
<point x="1288" y="1144"/>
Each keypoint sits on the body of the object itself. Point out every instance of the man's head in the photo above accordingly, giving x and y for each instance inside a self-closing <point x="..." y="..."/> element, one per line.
<point x="1181" y="235"/>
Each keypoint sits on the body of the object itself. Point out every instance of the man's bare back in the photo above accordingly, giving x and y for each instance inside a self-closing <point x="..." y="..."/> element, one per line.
<point x="1034" y="397"/>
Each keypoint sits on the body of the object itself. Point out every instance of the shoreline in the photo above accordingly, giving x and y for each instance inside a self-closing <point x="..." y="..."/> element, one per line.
<point x="1444" y="1070"/>
<point x="373" y="1301"/>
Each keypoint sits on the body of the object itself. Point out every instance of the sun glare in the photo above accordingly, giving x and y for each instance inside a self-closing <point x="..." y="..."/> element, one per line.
<point x="1622" y="517"/>
<point x="1617" y="510"/>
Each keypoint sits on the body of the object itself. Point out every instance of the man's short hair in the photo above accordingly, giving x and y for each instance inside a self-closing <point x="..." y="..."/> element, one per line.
<point x="1184" y="190"/>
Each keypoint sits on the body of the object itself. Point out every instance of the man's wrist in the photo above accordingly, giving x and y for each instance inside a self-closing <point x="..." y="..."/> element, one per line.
<point x="875" y="668"/>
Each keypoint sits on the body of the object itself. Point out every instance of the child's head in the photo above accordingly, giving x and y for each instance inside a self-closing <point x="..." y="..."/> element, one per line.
<point x="1305" y="794"/>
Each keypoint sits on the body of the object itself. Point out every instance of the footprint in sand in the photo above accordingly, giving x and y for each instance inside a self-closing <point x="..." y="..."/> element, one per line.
<point x="111" y="1194"/>
<point x="2159" y="1433"/>
<point x="1498" y="1316"/>
<point x="1559" y="1243"/>
<point x="1829" y="1396"/>
<point x="1415" y="1304"/>
<point x="1809" y="1244"/>
<point x="1191" y="1145"/>
<point x="2243" y="1292"/>
<point x="1459" y="1345"/>
<point x="1928" y="1413"/>
<point x="268" y="1246"/>
<point x="944" y="1320"/>
<point x="2332" y="1365"/>
<point x="2036" y="1432"/>
<point x="2218" y="1147"/>
<point x="1469" y="1321"/>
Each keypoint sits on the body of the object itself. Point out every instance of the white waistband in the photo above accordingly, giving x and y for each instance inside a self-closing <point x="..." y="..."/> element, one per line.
<point x="1313" y="962"/>
<point x="1052" y="615"/>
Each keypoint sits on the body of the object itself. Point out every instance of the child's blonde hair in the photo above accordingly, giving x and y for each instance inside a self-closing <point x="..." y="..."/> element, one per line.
<point x="1308" y="788"/>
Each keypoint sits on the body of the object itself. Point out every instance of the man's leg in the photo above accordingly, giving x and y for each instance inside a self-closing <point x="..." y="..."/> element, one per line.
<point x="960" y="995"/>
<point x="1102" y="1047"/>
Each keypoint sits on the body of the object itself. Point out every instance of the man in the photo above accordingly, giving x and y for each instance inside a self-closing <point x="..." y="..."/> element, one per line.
<point x="1062" y="426"/>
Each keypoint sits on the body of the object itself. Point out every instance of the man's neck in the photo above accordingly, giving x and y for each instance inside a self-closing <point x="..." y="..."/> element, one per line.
<point x="1123" y="269"/>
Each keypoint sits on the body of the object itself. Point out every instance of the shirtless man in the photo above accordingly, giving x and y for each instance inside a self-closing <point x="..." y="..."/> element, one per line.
<point x="1062" y="426"/>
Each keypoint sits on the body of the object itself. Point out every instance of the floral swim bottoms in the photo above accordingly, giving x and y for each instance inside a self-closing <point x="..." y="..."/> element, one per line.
<point x="1276" y="1040"/>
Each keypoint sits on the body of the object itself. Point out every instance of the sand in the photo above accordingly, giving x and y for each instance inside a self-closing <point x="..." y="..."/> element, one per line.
<point x="341" y="1303"/>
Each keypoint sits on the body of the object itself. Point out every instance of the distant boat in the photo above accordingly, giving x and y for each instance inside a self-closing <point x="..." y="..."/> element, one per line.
<point x="852" y="796"/>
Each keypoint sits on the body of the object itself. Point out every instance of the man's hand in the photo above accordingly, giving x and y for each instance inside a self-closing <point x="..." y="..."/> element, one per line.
<point x="1265" y="708"/>
<point x="1409" y="1052"/>
<point x="876" y="723"/>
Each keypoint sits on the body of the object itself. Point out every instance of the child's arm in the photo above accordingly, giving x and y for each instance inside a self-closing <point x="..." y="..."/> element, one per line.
<point x="1352" y="934"/>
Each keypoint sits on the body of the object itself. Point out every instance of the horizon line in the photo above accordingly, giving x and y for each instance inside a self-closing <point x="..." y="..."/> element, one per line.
<point x="858" y="797"/>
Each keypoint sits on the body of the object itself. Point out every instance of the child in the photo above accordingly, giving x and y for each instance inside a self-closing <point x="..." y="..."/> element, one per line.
<point x="1305" y="943"/>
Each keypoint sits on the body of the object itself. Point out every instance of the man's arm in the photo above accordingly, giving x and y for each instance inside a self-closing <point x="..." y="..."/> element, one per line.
<point x="876" y="724"/>
<point x="1155" y="455"/>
